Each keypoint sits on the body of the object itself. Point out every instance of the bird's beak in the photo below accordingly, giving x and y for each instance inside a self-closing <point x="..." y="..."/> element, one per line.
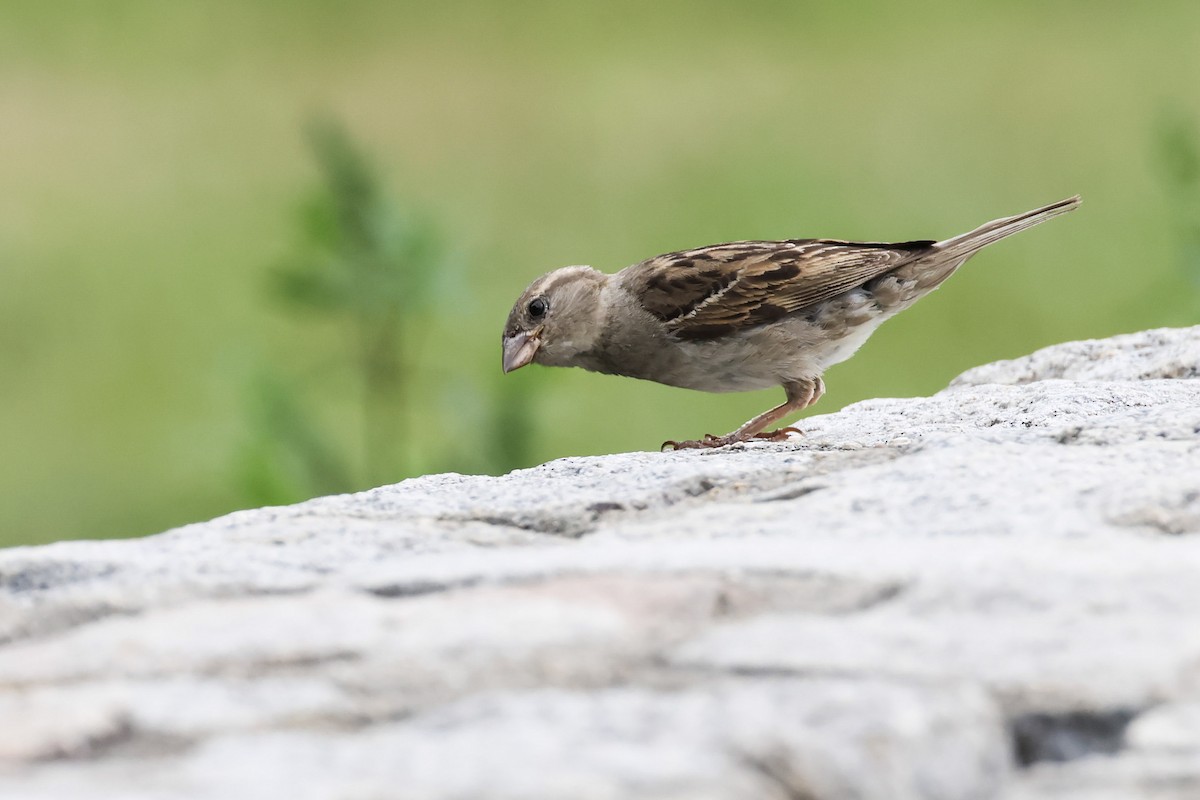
<point x="520" y="348"/>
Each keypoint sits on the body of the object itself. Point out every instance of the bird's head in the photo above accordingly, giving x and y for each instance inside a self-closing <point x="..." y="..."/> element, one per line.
<point x="556" y="319"/>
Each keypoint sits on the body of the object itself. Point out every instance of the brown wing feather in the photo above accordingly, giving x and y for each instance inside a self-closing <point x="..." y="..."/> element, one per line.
<point x="712" y="291"/>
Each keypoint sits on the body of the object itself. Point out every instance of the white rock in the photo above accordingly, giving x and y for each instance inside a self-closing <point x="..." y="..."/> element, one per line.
<point x="990" y="592"/>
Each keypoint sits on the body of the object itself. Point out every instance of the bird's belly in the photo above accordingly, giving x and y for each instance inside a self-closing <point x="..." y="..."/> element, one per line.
<point x="766" y="357"/>
<point x="758" y="359"/>
<point x="727" y="378"/>
<point x="795" y="348"/>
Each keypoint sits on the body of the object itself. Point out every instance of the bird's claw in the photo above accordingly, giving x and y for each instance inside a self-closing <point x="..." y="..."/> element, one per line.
<point x="698" y="444"/>
<point x="781" y="435"/>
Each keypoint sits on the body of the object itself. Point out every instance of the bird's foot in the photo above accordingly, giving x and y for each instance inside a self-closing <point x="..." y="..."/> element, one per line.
<point x="781" y="435"/>
<point x="699" y="444"/>
<point x="709" y="440"/>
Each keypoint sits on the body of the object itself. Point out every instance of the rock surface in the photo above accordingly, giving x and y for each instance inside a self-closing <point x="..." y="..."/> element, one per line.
<point x="993" y="592"/>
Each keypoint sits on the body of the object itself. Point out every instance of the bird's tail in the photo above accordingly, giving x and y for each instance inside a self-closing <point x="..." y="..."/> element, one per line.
<point x="958" y="248"/>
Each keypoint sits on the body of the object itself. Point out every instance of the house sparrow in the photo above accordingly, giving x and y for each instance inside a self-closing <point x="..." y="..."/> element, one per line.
<point x="739" y="316"/>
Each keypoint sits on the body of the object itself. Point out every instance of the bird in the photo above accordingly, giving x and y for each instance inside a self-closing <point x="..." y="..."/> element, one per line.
<point x="739" y="316"/>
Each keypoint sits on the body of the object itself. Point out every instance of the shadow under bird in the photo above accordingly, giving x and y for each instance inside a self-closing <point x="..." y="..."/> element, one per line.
<point x="739" y="316"/>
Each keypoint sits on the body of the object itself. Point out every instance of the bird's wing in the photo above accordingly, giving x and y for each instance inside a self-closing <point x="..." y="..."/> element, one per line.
<point x="716" y="290"/>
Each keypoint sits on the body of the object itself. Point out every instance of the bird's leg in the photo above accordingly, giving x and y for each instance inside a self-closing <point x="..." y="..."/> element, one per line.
<point x="809" y="392"/>
<point x="800" y="395"/>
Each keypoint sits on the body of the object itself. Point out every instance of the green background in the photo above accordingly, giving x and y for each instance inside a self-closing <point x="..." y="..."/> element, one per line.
<point x="152" y="162"/>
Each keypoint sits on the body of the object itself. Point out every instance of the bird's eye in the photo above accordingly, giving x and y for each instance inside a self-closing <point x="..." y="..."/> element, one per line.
<point x="538" y="307"/>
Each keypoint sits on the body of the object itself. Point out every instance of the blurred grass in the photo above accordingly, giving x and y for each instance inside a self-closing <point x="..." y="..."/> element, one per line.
<point x="151" y="158"/>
